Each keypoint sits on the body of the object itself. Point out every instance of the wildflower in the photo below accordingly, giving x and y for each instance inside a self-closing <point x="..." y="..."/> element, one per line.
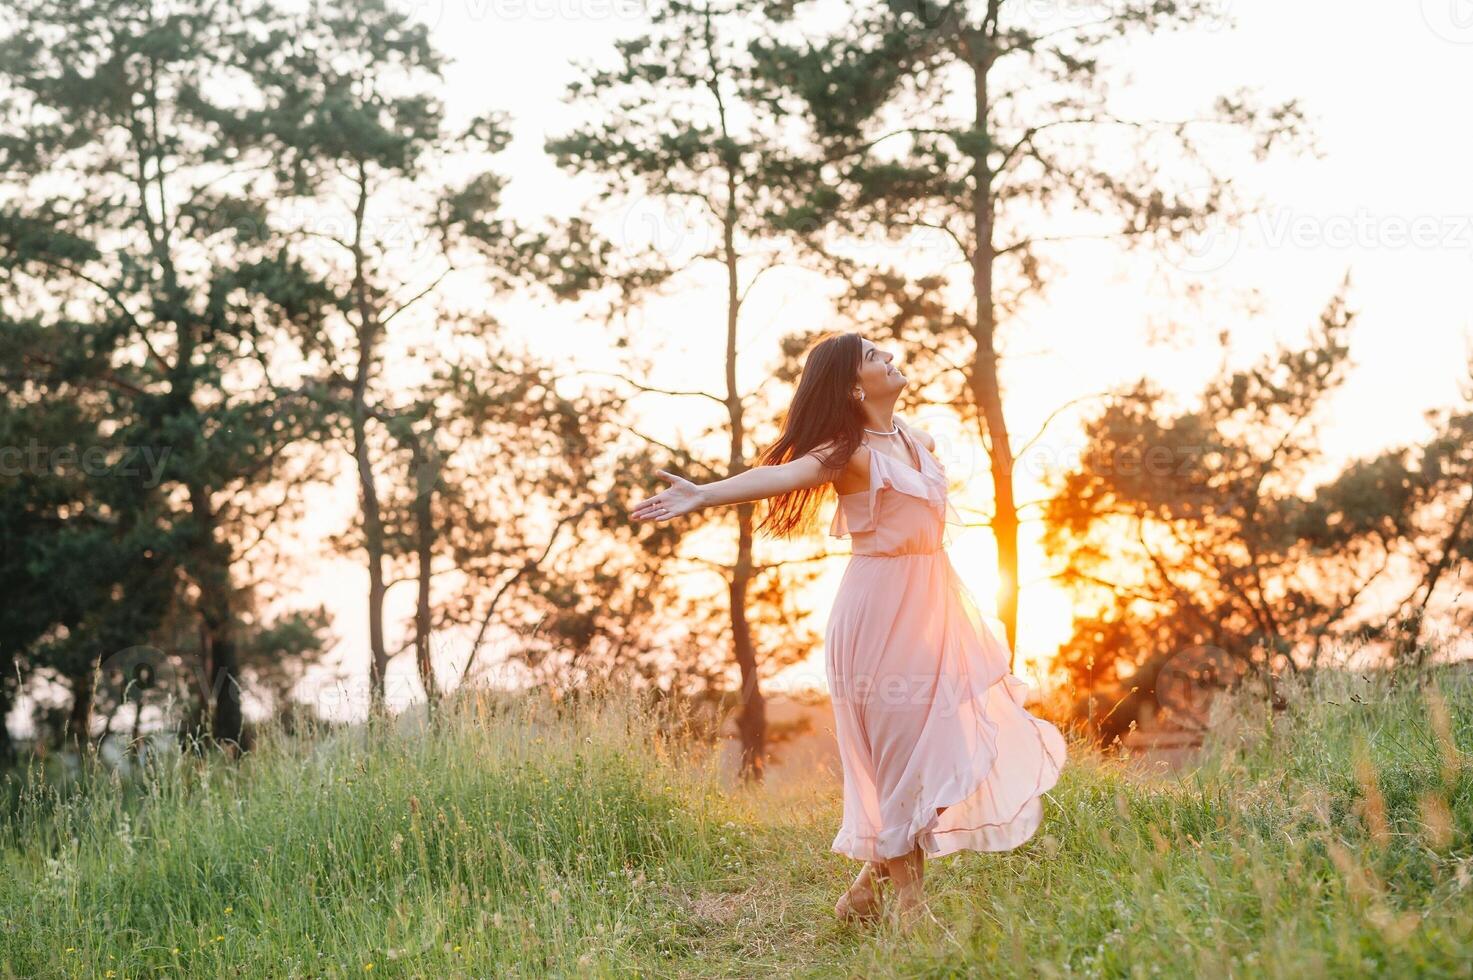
<point x="229" y="909"/>
<point x="368" y="968"/>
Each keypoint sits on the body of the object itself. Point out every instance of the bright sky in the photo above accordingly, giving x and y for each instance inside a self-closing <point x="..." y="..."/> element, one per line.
<point x="1390" y="201"/>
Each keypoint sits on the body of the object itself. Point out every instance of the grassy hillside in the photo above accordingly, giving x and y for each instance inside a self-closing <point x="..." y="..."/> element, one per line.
<point x="525" y="839"/>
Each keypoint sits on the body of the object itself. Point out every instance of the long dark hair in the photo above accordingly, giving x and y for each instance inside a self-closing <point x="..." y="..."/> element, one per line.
<point x="824" y="415"/>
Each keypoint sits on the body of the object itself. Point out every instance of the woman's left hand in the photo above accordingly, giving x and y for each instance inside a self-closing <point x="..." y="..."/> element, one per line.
<point x="681" y="497"/>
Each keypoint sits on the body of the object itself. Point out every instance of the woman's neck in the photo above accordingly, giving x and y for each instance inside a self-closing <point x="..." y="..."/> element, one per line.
<point x="881" y="418"/>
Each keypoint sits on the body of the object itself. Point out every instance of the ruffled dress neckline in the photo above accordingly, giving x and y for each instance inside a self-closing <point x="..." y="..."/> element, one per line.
<point x="929" y="468"/>
<point x="858" y="512"/>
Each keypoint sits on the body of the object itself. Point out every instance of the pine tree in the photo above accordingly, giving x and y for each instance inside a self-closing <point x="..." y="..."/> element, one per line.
<point x="145" y="295"/>
<point x="993" y="132"/>
<point x="682" y="144"/>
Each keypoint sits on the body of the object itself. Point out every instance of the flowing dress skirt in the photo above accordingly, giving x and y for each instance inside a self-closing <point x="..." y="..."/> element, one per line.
<point x="927" y="714"/>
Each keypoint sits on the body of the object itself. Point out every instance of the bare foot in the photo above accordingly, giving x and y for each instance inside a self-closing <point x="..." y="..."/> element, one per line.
<point x="861" y="902"/>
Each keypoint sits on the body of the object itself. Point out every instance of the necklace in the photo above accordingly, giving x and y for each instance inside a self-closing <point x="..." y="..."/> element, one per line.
<point x="894" y="428"/>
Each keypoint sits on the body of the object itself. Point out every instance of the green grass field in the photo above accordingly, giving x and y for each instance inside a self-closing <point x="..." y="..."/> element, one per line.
<point x="526" y="839"/>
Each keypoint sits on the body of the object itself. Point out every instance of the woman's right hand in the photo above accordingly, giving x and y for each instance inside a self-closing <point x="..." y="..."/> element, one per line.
<point x="681" y="497"/>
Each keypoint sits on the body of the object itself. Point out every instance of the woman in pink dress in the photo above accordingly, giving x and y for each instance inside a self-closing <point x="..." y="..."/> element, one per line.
<point x="939" y="754"/>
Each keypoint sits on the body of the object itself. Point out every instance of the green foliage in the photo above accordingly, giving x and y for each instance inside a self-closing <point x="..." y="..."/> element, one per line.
<point x="681" y="122"/>
<point x="142" y="298"/>
<point x="981" y="134"/>
<point x="502" y="837"/>
<point x="1208" y="526"/>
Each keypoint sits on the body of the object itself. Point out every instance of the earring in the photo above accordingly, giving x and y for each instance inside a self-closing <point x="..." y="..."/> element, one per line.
<point x="861" y="394"/>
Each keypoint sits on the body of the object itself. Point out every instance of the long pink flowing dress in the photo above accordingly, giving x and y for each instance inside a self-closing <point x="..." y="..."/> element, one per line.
<point x="927" y="713"/>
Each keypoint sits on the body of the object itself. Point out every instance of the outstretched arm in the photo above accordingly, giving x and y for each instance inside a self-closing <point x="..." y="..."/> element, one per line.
<point x="758" y="483"/>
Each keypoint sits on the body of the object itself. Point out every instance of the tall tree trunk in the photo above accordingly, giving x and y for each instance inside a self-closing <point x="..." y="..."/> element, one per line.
<point x="222" y="664"/>
<point x="7" y="745"/>
<point x="373" y="524"/>
<point x="209" y="562"/>
<point x="426" y="470"/>
<point x="79" y="717"/>
<point x="209" y="558"/>
<point x="211" y="573"/>
<point x="984" y="376"/>
<point x="373" y="540"/>
<point x="752" y="720"/>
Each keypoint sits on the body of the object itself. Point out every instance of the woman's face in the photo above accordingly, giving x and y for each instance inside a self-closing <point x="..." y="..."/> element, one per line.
<point x="878" y="377"/>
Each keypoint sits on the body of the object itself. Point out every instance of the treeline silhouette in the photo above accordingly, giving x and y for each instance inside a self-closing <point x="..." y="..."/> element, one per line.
<point x="244" y="253"/>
